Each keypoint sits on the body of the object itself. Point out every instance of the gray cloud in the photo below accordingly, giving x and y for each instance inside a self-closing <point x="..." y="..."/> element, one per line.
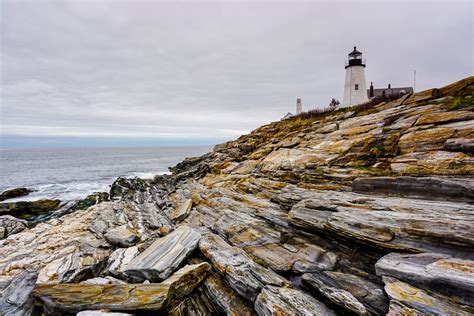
<point x="203" y="70"/>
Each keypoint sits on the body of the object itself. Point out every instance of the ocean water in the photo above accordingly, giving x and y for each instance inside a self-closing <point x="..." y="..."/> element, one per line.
<point x="73" y="173"/>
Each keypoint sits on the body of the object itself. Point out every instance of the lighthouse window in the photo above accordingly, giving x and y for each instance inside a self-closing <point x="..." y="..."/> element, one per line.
<point x="357" y="87"/>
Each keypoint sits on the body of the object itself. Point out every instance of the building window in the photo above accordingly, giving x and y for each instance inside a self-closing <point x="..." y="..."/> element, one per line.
<point x="356" y="87"/>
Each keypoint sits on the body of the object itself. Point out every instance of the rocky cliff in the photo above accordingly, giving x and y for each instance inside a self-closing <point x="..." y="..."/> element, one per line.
<point x="367" y="210"/>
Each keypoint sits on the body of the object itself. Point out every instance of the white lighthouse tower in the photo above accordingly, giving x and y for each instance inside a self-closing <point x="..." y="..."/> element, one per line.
<point x="355" y="88"/>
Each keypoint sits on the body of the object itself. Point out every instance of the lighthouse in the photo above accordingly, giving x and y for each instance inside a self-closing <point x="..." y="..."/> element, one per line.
<point x="355" y="88"/>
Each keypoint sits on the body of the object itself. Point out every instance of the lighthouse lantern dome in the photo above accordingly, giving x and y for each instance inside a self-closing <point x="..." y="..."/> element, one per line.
<point x="355" y="59"/>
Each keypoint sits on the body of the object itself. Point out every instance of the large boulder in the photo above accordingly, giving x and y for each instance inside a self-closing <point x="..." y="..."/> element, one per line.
<point x="159" y="260"/>
<point x="120" y="297"/>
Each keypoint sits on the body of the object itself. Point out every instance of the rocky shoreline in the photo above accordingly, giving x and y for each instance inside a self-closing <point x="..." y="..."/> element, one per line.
<point x="356" y="212"/>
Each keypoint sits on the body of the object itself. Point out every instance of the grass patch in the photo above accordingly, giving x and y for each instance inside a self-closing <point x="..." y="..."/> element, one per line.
<point x="461" y="102"/>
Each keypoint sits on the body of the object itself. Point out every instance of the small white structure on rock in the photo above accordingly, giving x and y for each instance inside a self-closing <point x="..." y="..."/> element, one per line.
<point x="355" y="88"/>
<point x="299" y="108"/>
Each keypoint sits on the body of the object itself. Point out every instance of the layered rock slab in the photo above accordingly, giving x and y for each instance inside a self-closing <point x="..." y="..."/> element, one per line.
<point x="441" y="187"/>
<point x="15" y="299"/>
<point x="273" y="301"/>
<point x="117" y="297"/>
<point x="438" y="273"/>
<point x="243" y="275"/>
<point x="387" y="222"/>
<point x="333" y="291"/>
<point x="159" y="260"/>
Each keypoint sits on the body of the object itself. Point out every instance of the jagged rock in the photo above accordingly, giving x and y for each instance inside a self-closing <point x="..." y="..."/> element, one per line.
<point x="413" y="298"/>
<point x="119" y="259"/>
<point x="330" y="288"/>
<point x="460" y="144"/>
<point x="54" y="239"/>
<point x="74" y="267"/>
<point x="14" y="193"/>
<point x="141" y="215"/>
<point x="28" y="210"/>
<point x="368" y="293"/>
<point x="124" y="186"/>
<point x="388" y="222"/>
<point x="121" y="236"/>
<point x="159" y="260"/>
<point x="183" y="211"/>
<point x="300" y="258"/>
<point x="11" y="225"/>
<point x="244" y="276"/>
<point x="120" y="297"/>
<point x="438" y="273"/>
<point x="226" y="299"/>
<point x="15" y="299"/>
<point x="285" y="301"/>
<point x="444" y="187"/>
<point x="91" y="199"/>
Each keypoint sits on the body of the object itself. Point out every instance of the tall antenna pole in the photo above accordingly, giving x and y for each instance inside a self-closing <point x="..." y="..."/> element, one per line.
<point x="414" y="80"/>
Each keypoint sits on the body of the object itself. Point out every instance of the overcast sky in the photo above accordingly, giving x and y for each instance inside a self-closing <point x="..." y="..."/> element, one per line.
<point x="128" y="72"/>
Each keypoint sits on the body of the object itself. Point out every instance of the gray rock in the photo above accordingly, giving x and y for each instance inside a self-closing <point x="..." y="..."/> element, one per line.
<point x="460" y="144"/>
<point x="142" y="215"/>
<point x="224" y="297"/>
<point x="11" y="225"/>
<point x="74" y="267"/>
<point x="438" y="273"/>
<point x="121" y="236"/>
<point x="368" y="293"/>
<point x="119" y="259"/>
<point x="442" y="187"/>
<point x="327" y="286"/>
<point x="387" y="222"/>
<point x="15" y="299"/>
<point x="159" y="260"/>
<point x="244" y="276"/>
<point x="273" y="301"/>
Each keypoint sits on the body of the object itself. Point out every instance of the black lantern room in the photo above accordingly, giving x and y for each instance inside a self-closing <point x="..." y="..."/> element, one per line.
<point x="355" y="59"/>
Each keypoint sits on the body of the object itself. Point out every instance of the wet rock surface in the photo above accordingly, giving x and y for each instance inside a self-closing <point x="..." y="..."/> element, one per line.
<point x="14" y="193"/>
<point x="358" y="211"/>
<point x="27" y="210"/>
